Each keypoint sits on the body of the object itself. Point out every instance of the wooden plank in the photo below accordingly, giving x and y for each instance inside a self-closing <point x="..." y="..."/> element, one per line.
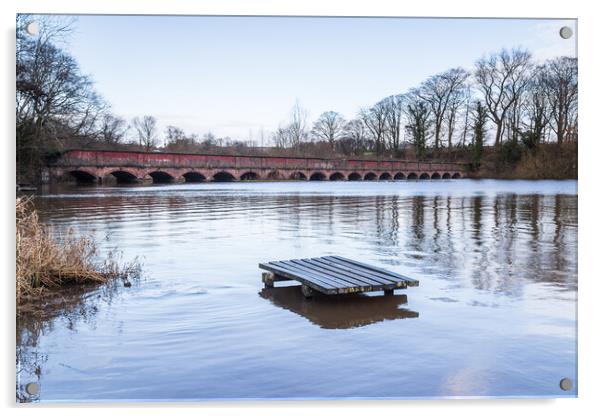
<point x="308" y="280"/>
<point x="385" y="278"/>
<point x="327" y="280"/>
<point x="336" y="281"/>
<point x="375" y="280"/>
<point x="298" y="275"/>
<point x="348" y="280"/>
<point x="333" y="268"/>
<point x="350" y="277"/>
<point x="335" y="274"/>
<point x="411" y="282"/>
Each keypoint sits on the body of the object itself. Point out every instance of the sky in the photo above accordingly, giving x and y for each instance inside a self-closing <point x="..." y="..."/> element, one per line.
<point x="234" y="76"/>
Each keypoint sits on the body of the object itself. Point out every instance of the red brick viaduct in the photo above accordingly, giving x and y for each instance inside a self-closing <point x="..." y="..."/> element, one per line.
<point x="100" y="166"/>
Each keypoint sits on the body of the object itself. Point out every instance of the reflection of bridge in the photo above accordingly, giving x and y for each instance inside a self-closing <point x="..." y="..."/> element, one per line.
<point x="131" y="167"/>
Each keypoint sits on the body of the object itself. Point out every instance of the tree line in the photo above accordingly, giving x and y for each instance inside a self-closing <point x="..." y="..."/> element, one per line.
<point x="506" y="100"/>
<point x="521" y="102"/>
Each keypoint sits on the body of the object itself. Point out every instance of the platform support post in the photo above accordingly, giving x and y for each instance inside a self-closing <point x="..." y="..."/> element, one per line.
<point x="388" y="292"/>
<point x="307" y="291"/>
<point x="268" y="279"/>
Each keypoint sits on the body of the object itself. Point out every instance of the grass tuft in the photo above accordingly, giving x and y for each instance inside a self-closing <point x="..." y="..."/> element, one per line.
<point x="47" y="262"/>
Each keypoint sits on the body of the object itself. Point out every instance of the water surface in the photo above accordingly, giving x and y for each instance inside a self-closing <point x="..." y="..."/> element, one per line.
<point x="494" y="315"/>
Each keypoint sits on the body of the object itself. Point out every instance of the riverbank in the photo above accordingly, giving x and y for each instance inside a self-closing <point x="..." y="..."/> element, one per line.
<point x="47" y="263"/>
<point x="549" y="161"/>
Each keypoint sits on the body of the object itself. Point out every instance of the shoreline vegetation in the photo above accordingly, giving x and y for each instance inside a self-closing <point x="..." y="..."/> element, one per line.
<point x="48" y="264"/>
<point x="551" y="161"/>
<point x="510" y="115"/>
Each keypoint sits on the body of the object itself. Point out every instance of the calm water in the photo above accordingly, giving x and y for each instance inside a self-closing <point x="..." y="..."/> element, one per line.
<point x="494" y="315"/>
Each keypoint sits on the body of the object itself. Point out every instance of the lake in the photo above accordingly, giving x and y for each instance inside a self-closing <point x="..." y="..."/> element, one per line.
<point x="495" y="313"/>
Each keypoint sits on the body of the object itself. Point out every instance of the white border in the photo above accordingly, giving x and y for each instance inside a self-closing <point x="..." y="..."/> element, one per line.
<point x="590" y="174"/>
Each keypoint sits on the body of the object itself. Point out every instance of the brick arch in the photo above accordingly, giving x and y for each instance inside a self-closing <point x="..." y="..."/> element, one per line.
<point x="161" y="176"/>
<point x="336" y="176"/>
<point x="318" y="176"/>
<point x="123" y="175"/>
<point x="83" y="176"/>
<point x="370" y="176"/>
<point x="250" y="175"/>
<point x="193" y="176"/>
<point x="223" y="176"/>
<point x="299" y="176"/>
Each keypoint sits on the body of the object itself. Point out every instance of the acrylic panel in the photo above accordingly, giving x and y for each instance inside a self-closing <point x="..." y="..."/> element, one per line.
<point x="227" y="208"/>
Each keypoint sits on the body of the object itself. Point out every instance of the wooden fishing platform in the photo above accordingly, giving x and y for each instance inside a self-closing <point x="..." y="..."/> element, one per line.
<point x="333" y="275"/>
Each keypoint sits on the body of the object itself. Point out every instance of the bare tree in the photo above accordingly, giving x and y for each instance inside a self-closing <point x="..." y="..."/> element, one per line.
<point x="439" y="92"/>
<point x="174" y="134"/>
<point x="394" y="106"/>
<point x="355" y="138"/>
<point x="466" y="113"/>
<point x="54" y="100"/>
<point x="375" y="120"/>
<point x="281" y="137"/>
<point x="419" y="124"/>
<point x="536" y="115"/>
<point x="298" y="125"/>
<point x="146" y="127"/>
<point x="112" y="129"/>
<point x="459" y="95"/>
<point x="329" y="127"/>
<point x="502" y="79"/>
<point x="560" y="86"/>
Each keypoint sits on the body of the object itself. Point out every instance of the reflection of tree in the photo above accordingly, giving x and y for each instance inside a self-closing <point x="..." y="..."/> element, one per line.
<point x="497" y="242"/>
<point x="436" y="228"/>
<point x="387" y="223"/>
<point x="417" y="224"/>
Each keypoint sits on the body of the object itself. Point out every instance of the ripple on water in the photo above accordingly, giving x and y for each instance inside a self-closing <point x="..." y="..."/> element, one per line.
<point x="496" y="260"/>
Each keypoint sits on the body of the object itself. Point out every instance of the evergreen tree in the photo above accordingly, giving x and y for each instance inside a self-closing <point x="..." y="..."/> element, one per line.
<point x="479" y="122"/>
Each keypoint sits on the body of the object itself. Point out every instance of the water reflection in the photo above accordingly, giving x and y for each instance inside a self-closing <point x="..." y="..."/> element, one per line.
<point x="71" y="307"/>
<point x="496" y="260"/>
<point x="339" y="312"/>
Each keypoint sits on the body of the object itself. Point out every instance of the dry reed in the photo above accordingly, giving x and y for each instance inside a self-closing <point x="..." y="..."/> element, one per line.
<point x="47" y="261"/>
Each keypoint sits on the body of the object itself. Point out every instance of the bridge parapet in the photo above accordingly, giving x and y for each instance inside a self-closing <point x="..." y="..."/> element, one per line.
<point x="99" y="163"/>
<point x="141" y="159"/>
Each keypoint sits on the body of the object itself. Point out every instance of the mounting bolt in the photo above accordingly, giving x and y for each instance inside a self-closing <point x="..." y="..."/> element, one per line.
<point x="566" y="384"/>
<point x="566" y="32"/>
<point x="32" y="389"/>
<point x="32" y="28"/>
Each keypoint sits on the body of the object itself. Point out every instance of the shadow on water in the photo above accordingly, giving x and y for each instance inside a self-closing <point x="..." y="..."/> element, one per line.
<point x="339" y="312"/>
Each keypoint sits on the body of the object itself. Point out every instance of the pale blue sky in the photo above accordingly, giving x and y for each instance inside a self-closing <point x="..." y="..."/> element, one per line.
<point x="232" y="75"/>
